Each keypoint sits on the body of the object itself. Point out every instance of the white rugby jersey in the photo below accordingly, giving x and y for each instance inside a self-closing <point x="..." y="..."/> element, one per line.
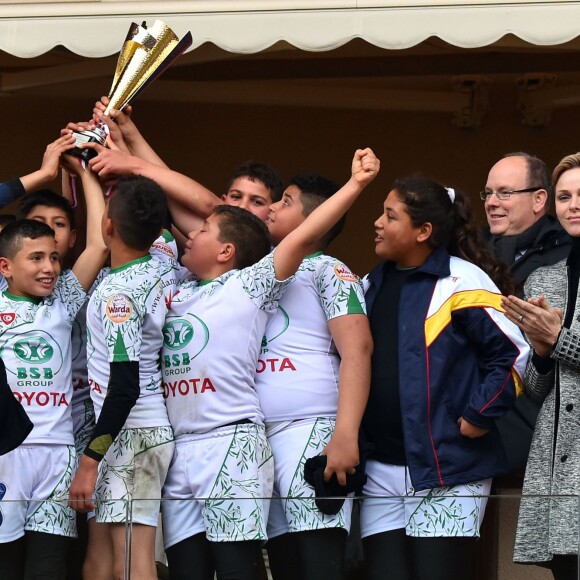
<point x="35" y="345"/>
<point x="164" y="248"/>
<point x="297" y="371"/>
<point x="124" y="321"/>
<point x="212" y="338"/>
<point x="80" y="377"/>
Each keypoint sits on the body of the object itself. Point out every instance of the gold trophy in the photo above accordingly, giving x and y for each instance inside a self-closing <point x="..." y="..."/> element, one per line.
<point x="145" y="54"/>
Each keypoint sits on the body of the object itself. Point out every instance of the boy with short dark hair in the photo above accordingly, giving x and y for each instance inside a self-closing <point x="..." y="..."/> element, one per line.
<point x="212" y="339"/>
<point x="38" y="311"/>
<point x="49" y="207"/>
<point x="124" y="320"/>
<point x="47" y="198"/>
<point x="313" y="378"/>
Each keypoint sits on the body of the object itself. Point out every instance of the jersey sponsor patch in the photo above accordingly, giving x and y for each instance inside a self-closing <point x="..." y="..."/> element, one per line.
<point x="119" y="308"/>
<point x="342" y="272"/>
<point x="163" y="248"/>
<point x="33" y="350"/>
<point x="7" y="317"/>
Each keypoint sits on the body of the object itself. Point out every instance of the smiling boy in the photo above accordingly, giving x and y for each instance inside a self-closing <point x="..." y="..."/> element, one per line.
<point x="37" y="313"/>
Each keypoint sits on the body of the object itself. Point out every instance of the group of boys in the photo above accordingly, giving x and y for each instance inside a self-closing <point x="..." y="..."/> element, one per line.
<point x="265" y="362"/>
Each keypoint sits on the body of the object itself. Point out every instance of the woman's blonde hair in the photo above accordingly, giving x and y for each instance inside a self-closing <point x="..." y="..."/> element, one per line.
<point x="569" y="162"/>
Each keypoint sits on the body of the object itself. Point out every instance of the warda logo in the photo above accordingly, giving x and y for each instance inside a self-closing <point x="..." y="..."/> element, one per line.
<point x="344" y="273"/>
<point x="119" y="308"/>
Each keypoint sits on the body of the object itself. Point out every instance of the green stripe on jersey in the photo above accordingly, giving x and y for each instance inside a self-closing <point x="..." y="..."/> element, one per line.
<point x="120" y="351"/>
<point x="354" y="306"/>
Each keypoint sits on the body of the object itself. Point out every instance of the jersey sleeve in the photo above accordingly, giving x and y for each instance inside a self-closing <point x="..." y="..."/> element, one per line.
<point x="69" y="291"/>
<point x="340" y="291"/>
<point x="122" y="325"/>
<point x="103" y="273"/>
<point x="11" y="190"/>
<point x="164" y="248"/>
<point x="259" y="282"/>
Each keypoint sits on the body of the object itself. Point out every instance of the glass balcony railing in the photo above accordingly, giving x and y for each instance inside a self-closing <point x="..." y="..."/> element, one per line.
<point x="492" y="556"/>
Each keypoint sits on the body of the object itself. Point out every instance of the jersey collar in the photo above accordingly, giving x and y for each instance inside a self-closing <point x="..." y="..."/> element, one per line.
<point x="21" y="298"/>
<point x="131" y="263"/>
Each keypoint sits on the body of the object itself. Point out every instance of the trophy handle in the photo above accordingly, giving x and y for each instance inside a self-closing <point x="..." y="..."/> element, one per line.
<point x="179" y="49"/>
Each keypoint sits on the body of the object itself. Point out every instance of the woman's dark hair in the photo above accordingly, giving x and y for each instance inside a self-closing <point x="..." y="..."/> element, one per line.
<point x="454" y="226"/>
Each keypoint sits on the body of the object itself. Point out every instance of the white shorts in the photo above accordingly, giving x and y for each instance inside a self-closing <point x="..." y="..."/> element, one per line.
<point x="83" y="415"/>
<point x="132" y="474"/>
<point x="35" y="480"/>
<point x="390" y="503"/>
<point x="226" y="477"/>
<point x="293" y="508"/>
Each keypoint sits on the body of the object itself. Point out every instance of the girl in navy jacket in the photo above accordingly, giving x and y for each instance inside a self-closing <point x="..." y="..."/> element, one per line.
<point x="447" y="364"/>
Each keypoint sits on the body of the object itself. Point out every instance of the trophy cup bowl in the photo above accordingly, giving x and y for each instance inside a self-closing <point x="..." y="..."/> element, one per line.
<point x="145" y="54"/>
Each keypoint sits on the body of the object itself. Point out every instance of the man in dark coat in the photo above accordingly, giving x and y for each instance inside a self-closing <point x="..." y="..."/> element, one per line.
<point x="517" y="196"/>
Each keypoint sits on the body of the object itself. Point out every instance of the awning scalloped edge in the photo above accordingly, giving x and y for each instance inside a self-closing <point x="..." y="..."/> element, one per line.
<point x="397" y="27"/>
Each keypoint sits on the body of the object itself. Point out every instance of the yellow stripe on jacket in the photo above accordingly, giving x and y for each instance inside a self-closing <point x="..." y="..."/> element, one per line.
<point x="436" y="323"/>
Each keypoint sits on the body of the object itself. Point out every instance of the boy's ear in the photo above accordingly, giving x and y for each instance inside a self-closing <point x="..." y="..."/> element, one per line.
<point x="425" y="232"/>
<point x="227" y="253"/>
<point x="72" y="239"/>
<point x="5" y="267"/>
<point x="108" y="227"/>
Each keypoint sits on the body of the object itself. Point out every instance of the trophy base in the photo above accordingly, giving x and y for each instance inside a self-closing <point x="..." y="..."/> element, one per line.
<point x="88" y="136"/>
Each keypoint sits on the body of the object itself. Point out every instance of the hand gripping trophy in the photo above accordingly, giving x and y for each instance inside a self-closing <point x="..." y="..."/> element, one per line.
<point x="145" y="54"/>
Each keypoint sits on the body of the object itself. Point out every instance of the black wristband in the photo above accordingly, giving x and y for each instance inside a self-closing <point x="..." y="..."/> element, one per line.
<point x="122" y="394"/>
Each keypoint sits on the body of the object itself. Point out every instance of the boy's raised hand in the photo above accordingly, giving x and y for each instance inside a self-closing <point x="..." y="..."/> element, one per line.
<point x="121" y="118"/>
<point x="50" y="163"/>
<point x="365" y="166"/>
<point x="52" y="155"/>
<point x="109" y="163"/>
<point x="72" y="164"/>
<point x="115" y="137"/>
